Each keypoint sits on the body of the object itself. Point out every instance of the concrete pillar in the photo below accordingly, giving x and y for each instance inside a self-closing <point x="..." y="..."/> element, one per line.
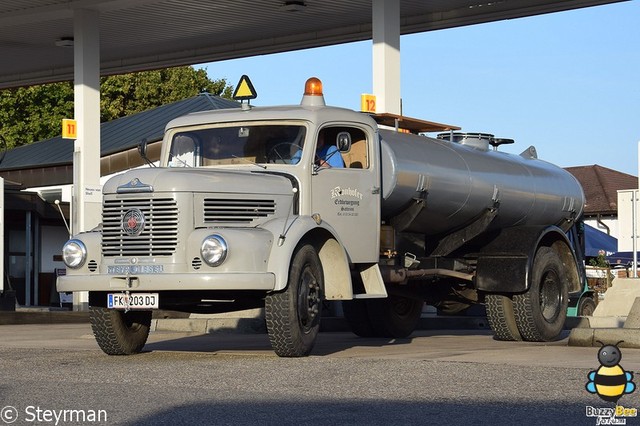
<point x="386" y="55"/>
<point x="87" y="195"/>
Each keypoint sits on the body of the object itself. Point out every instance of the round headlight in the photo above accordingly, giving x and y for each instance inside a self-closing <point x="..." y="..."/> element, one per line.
<point x="74" y="253"/>
<point x="214" y="250"/>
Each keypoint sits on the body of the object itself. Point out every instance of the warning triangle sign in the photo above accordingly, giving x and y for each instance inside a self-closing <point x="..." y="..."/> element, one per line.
<point x="244" y="90"/>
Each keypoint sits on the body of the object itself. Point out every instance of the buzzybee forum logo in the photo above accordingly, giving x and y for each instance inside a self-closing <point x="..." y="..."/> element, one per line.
<point x="610" y="381"/>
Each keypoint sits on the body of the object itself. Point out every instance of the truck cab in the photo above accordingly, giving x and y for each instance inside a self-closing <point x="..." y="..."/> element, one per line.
<point x="241" y="201"/>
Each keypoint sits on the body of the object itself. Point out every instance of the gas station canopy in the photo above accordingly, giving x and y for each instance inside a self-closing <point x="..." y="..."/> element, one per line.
<point x="36" y="36"/>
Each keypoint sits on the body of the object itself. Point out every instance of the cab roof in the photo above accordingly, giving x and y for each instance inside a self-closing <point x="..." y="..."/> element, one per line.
<point x="317" y="115"/>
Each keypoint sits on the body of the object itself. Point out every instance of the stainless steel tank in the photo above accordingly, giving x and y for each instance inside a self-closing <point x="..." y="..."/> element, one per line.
<point x="459" y="182"/>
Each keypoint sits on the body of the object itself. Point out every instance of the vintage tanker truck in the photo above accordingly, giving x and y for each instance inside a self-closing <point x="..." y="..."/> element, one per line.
<point x="243" y="213"/>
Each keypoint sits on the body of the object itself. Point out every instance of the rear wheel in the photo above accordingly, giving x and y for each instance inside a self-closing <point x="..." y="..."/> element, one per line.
<point x="395" y="316"/>
<point x="118" y="332"/>
<point x="501" y="317"/>
<point x="357" y="316"/>
<point x="542" y="310"/>
<point x="293" y="315"/>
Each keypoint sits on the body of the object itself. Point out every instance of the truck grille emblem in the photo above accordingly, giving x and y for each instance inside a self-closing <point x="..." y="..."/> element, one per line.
<point x="133" y="222"/>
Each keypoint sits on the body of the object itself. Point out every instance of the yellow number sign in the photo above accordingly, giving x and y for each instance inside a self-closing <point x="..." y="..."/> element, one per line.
<point x="69" y="129"/>
<point x="367" y="103"/>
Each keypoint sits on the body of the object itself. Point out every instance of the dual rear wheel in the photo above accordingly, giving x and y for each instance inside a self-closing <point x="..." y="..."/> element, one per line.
<point x="538" y="314"/>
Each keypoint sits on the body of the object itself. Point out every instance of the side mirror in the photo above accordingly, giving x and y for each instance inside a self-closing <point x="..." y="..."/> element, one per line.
<point x="343" y="141"/>
<point x="142" y="150"/>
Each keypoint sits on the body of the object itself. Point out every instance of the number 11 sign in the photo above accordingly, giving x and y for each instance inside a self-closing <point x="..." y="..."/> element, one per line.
<point x="69" y="129"/>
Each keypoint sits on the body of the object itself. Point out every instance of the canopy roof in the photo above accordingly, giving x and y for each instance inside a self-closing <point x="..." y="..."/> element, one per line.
<point x="146" y="34"/>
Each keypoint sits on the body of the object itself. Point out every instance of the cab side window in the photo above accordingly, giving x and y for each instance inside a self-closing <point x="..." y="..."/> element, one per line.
<point x="357" y="156"/>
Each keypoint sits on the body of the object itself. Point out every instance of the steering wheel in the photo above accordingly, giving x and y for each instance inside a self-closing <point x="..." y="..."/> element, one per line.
<point x="275" y="153"/>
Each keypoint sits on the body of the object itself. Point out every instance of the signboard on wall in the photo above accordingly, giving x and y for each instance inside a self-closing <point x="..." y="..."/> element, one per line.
<point x="628" y="207"/>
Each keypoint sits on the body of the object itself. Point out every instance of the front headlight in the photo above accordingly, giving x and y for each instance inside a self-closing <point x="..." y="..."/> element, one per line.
<point x="74" y="253"/>
<point x="214" y="250"/>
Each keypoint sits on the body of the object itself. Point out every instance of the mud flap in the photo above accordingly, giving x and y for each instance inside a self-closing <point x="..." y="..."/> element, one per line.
<point x="373" y="282"/>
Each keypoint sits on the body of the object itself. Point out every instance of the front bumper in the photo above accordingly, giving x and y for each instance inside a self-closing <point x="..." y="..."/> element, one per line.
<point x="162" y="282"/>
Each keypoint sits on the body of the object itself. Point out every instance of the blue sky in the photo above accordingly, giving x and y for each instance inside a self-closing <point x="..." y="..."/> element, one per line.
<point x="567" y="83"/>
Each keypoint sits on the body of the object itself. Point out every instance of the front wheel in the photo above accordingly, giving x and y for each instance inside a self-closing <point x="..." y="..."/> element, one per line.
<point x="293" y="315"/>
<point x="118" y="332"/>
<point x="542" y="310"/>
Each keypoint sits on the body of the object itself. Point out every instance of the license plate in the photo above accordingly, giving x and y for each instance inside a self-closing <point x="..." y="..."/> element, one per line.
<point x="133" y="301"/>
<point x="134" y="269"/>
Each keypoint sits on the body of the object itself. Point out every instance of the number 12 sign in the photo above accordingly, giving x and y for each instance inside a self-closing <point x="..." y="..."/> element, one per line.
<point x="367" y="103"/>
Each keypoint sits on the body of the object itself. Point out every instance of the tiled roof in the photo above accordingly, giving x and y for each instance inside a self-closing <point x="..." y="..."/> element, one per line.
<point x="115" y="136"/>
<point x="601" y="186"/>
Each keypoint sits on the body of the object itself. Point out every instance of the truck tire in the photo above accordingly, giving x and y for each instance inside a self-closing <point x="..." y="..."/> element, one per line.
<point x="586" y="306"/>
<point x="395" y="316"/>
<point x="542" y="310"/>
<point x="501" y="317"/>
<point x="357" y="316"/>
<point x="293" y="315"/>
<point x="118" y="332"/>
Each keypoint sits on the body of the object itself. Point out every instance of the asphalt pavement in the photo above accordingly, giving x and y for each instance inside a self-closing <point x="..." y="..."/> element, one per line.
<point x="456" y="377"/>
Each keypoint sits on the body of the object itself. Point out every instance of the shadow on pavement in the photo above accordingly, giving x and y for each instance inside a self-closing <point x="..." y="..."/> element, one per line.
<point x="326" y="344"/>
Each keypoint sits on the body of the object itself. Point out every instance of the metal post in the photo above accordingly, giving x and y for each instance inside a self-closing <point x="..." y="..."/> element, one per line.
<point x="635" y="221"/>
<point x="28" y="264"/>
<point x="35" y="262"/>
<point x="634" y="230"/>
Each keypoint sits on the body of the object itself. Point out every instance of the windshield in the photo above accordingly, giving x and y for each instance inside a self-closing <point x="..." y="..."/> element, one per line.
<point x="278" y="144"/>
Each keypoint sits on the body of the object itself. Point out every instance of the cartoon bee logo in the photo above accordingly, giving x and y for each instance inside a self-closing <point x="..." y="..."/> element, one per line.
<point x="610" y="381"/>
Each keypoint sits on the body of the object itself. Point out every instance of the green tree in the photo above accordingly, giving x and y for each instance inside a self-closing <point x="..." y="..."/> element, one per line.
<point x="30" y="114"/>
<point x="122" y="95"/>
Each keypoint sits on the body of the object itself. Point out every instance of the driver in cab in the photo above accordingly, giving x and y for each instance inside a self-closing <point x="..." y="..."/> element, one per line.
<point x="327" y="155"/>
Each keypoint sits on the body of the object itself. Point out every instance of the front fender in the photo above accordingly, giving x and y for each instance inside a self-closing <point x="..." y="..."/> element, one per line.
<point x="333" y="257"/>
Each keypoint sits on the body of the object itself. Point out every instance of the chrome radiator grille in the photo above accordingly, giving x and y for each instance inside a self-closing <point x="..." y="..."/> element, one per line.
<point x="234" y="210"/>
<point x="159" y="236"/>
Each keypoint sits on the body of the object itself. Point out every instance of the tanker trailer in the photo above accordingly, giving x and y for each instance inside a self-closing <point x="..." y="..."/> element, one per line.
<point x="466" y="224"/>
<point x="247" y="209"/>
